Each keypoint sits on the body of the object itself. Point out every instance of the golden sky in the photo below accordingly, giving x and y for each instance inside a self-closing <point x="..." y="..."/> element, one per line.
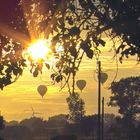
<point x="16" y="99"/>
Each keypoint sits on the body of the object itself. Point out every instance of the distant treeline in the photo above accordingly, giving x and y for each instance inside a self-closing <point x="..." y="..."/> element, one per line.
<point x="86" y="129"/>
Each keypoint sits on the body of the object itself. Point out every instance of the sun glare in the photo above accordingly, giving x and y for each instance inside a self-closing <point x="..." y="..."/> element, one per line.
<point x="39" y="49"/>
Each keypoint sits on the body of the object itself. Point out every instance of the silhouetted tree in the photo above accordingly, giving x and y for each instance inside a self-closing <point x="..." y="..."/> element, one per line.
<point x="88" y="125"/>
<point x="125" y="95"/>
<point x="76" y="107"/>
<point x="32" y="123"/>
<point x="57" y="121"/>
<point x="15" y="34"/>
<point x="11" y="60"/>
<point x="65" y="21"/>
<point x="137" y="131"/>
<point x="64" y="137"/>
<point x="2" y="125"/>
<point x="17" y="132"/>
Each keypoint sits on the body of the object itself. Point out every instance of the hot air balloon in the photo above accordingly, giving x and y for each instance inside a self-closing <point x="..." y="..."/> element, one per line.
<point x="42" y="89"/>
<point x="81" y="84"/>
<point x="104" y="77"/>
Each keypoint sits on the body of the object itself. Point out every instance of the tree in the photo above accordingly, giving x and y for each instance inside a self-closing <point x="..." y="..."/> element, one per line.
<point x="17" y="24"/>
<point x="95" y="18"/>
<point x="11" y="59"/>
<point x="125" y="95"/>
<point x="115" y="19"/>
<point x="76" y="107"/>
<point x="16" y="132"/>
<point x="63" y="137"/>
<point x="137" y="131"/>
<point x="57" y="121"/>
<point x="2" y="125"/>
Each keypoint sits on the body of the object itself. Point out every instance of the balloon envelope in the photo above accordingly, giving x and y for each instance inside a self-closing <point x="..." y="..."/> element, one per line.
<point x="42" y="89"/>
<point x="104" y="77"/>
<point x="81" y="84"/>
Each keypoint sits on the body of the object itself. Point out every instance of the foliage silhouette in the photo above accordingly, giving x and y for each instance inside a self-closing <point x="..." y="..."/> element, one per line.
<point x="36" y="128"/>
<point x="64" y="137"/>
<point x="11" y="60"/>
<point x="125" y="95"/>
<point x="116" y="19"/>
<point x="2" y="125"/>
<point x="76" y="107"/>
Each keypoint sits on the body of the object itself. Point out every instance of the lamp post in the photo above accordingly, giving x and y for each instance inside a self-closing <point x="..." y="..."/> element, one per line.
<point x="103" y="118"/>
<point x="99" y="101"/>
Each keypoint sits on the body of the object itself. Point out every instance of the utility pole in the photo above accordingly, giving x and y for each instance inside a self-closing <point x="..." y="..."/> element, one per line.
<point x="103" y="118"/>
<point x="99" y="101"/>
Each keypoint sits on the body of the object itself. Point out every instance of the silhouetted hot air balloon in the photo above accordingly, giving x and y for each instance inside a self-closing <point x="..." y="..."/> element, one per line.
<point x="104" y="77"/>
<point x="42" y="89"/>
<point x="81" y="84"/>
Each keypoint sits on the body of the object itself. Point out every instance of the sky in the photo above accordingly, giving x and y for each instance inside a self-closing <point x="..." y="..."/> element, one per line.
<point x="17" y="99"/>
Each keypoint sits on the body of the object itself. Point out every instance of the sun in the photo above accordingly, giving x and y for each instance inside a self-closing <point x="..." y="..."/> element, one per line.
<point x="39" y="49"/>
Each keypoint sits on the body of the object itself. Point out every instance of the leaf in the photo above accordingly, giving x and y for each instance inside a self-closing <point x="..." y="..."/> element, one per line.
<point x="7" y="81"/>
<point x="40" y="66"/>
<point x="35" y="73"/>
<point x="85" y="45"/>
<point x="95" y="40"/>
<point x="66" y="70"/>
<point x="73" y="52"/>
<point x="89" y="53"/>
<point x="120" y="47"/>
<point x="8" y="70"/>
<point x="56" y="29"/>
<point x="20" y="71"/>
<point x="83" y="3"/>
<point x="47" y="65"/>
<point x="58" y="64"/>
<point x="120" y="59"/>
<point x="70" y="21"/>
<point x="1" y="86"/>
<point x="1" y="67"/>
<point x="74" y="31"/>
<point x="58" y="78"/>
<point x="23" y="63"/>
<point x="72" y="7"/>
<point x="102" y="42"/>
<point x="7" y="48"/>
<point x="55" y="38"/>
<point x="15" y="72"/>
<point x="53" y="76"/>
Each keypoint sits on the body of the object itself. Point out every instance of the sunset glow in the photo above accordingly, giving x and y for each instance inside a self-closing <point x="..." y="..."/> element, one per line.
<point x="39" y="49"/>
